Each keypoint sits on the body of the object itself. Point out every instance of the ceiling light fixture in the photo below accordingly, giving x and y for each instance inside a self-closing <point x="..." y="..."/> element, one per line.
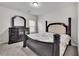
<point x="35" y="4"/>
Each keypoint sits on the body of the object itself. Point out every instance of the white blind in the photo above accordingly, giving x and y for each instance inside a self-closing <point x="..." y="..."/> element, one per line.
<point x="32" y="26"/>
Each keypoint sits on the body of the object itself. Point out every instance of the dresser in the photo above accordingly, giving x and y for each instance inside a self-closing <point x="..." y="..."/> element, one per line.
<point x="16" y="34"/>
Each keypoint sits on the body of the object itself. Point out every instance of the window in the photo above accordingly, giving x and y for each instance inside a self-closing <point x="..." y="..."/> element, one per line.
<point x="32" y="26"/>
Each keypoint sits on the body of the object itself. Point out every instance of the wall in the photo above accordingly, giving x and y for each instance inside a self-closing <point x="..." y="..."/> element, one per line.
<point x="78" y="25"/>
<point x="5" y="21"/>
<point x="61" y="14"/>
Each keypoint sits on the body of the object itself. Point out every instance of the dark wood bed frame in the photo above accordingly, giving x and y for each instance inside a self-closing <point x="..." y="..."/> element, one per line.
<point x="40" y="47"/>
<point x="68" y="28"/>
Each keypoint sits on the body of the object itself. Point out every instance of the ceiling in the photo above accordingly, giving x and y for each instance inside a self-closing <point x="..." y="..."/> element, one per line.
<point x="44" y="7"/>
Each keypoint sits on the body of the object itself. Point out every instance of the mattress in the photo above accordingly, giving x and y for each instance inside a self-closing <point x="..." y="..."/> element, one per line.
<point x="48" y="37"/>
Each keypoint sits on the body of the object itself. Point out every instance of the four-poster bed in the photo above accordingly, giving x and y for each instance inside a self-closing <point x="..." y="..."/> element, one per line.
<point x="49" y="44"/>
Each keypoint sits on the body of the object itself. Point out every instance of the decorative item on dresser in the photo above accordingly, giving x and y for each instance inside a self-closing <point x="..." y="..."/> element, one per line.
<point x="17" y="33"/>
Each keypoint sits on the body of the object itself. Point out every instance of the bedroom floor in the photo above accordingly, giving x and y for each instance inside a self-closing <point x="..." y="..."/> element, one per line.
<point x="17" y="50"/>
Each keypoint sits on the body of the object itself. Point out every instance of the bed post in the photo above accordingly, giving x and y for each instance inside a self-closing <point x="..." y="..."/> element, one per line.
<point x="69" y="23"/>
<point x="46" y="27"/>
<point x="25" y="41"/>
<point x="56" y="45"/>
<point x="69" y="28"/>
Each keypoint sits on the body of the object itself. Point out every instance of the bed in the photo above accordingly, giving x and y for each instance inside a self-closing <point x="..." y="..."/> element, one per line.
<point x="50" y="43"/>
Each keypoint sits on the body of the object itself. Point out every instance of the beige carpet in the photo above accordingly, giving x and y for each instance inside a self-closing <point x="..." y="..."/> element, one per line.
<point x="17" y="50"/>
<point x="71" y="51"/>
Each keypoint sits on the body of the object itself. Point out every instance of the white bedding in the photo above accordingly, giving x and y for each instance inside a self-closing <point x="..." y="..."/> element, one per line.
<point x="48" y="37"/>
<point x="44" y="37"/>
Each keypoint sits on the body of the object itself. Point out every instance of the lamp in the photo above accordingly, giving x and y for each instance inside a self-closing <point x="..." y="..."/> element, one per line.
<point x="35" y="4"/>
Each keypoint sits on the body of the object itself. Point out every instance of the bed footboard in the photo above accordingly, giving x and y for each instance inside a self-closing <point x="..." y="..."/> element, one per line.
<point x="44" y="49"/>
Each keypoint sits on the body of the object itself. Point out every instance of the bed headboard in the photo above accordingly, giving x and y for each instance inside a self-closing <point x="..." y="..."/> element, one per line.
<point x="66" y="27"/>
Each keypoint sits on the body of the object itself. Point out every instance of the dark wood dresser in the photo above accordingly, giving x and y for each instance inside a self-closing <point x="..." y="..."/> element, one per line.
<point x="16" y="34"/>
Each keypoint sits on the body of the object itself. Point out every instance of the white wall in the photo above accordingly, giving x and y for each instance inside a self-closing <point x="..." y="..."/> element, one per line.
<point x="5" y="21"/>
<point x="78" y="26"/>
<point x="61" y="14"/>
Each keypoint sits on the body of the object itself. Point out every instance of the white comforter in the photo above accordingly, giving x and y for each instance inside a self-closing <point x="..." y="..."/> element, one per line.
<point x="48" y="37"/>
<point x="44" y="37"/>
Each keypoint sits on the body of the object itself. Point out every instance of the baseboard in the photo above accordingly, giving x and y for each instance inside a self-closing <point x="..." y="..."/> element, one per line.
<point x="73" y="44"/>
<point x="4" y="42"/>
